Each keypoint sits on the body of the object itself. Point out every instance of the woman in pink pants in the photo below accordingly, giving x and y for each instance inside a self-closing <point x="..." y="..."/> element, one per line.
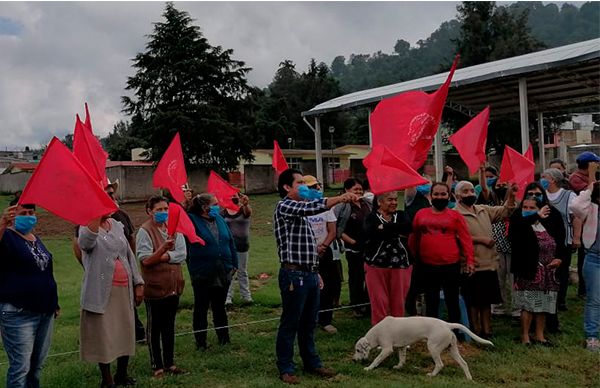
<point x="387" y="260"/>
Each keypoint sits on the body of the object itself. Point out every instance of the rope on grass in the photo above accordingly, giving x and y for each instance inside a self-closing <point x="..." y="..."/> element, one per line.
<point x="214" y="328"/>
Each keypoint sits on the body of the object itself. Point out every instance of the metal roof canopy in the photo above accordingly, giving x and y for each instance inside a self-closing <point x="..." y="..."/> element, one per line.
<point x="561" y="79"/>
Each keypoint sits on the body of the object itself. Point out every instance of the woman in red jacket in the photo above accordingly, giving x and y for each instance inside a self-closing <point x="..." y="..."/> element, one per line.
<point x="440" y="238"/>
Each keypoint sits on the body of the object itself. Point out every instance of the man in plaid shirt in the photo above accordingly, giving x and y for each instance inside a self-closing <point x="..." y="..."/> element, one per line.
<point x="299" y="280"/>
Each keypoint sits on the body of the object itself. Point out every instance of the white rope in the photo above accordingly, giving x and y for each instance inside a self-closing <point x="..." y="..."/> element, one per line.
<point x="213" y="328"/>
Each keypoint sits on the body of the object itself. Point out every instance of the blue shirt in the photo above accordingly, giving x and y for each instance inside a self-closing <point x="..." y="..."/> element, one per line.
<point x="26" y="278"/>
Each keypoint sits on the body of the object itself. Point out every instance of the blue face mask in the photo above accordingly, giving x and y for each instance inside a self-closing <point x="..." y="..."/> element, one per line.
<point x="161" y="217"/>
<point x="214" y="210"/>
<point x="491" y="182"/>
<point x="24" y="224"/>
<point x="528" y="213"/>
<point x="545" y="183"/>
<point x="424" y="189"/>
<point x="309" y="194"/>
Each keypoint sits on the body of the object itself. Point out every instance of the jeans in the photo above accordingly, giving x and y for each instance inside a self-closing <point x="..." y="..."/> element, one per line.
<point x="591" y="312"/>
<point x="161" y="329"/>
<point x="331" y="273"/>
<point x="26" y="336"/>
<point x="300" y="306"/>
<point x="206" y="296"/>
<point x="242" y="275"/>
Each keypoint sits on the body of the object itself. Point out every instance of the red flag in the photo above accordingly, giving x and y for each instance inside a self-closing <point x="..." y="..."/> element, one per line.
<point x="222" y="190"/>
<point x="88" y="119"/>
<point x="516" y="168"/>
<point x="89" y="151"/>
<point x="387" y="172"/>
<point x="62" y="185"/>
<point x="470" y="140"/>
<point x="279" y="162"/>
<point x="529" y="155"/>
<point x="170" y="172"/>
<point x="408" y="122"/>
<point x="180" y="222"/>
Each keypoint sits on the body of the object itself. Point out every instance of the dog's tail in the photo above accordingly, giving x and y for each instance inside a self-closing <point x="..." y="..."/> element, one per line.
<point x="469" y="333"/>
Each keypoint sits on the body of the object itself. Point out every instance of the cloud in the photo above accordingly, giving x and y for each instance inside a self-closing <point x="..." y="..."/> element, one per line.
<point x="56" y="56"/>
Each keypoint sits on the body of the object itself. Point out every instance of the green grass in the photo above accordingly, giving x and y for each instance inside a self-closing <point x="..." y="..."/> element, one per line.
<point x="250" y="359"/>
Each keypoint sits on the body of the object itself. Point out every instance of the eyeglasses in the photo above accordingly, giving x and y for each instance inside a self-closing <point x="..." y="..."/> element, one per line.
<point x="533" y="193"/>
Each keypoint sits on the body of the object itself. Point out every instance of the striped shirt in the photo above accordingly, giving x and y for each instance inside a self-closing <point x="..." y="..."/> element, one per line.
<point x="296" y="242"/>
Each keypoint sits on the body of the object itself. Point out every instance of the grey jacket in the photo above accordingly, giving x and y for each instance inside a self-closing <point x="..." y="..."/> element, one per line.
<point x="100" y="250"/>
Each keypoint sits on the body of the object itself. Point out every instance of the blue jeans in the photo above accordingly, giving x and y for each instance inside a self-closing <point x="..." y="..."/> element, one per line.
<point x="591" y="312"/>
<point x="26" y="336"/>
<point x="300" y="306"/>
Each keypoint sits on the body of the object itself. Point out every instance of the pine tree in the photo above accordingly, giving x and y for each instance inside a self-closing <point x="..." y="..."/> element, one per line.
<point x="184" y="84"/>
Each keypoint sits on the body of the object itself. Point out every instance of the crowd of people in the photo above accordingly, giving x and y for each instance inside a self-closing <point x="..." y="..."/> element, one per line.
<point x="488" y="246"/>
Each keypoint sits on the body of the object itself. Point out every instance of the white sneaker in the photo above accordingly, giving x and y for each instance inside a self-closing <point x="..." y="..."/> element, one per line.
<point x="329" y="329"/>
<point x="228" y="302"/>
<point x="592" y="344"/>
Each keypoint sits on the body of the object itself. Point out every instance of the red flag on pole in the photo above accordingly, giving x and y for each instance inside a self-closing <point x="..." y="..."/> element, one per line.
<point x="470" y="140"/>
<point x="170" y="172"/>
<point x="63" y="186"/>
<point x="88" y="118"/>
<point x="387" y="172"/>
<point x="89" y="151"/>
<point x="180" y="222"/>
<point x="279" y="162"/>
<point x="516" y="168"/>
<point x="529" y="155"/>
<point x="408" y="122"/>
<point x="222" y="190"/>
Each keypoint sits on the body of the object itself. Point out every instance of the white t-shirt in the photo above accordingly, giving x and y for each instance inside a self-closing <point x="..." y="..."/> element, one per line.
<point x="319" y="224"/>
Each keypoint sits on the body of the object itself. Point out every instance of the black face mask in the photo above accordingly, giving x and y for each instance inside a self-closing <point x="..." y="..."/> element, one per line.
<point x="469" y="201"/>
<point x="440" y="203"/>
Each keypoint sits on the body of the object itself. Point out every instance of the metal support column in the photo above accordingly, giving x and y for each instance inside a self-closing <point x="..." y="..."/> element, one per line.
<point x="370" y="130"/>
<point x="438" y="156"/>
<point x="541" y="141"/>
<point x="524" y="114"/>
<point x="318" y="152"/>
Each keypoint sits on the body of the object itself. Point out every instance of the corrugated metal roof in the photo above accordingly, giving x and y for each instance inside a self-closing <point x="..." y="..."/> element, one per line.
<point x="522" y="65"/>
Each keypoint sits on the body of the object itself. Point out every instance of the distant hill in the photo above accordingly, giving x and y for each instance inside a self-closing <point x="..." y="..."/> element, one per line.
<point x="551" y="25"/>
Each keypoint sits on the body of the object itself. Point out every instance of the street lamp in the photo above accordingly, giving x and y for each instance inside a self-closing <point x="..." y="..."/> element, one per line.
<point x="331" y="131"/>
<point x="289" y="143"/>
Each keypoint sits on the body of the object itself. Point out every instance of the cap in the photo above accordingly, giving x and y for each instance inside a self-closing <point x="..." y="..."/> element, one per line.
<point x="310" y="180"/>
<point x="587" y="156"/>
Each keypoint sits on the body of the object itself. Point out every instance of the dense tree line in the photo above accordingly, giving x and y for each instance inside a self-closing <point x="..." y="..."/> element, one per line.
<point x="182" y="83"/>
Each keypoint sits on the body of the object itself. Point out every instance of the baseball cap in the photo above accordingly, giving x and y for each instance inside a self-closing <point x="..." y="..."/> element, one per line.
<point x="587" y="156"/>
<point x="310" y="180"/>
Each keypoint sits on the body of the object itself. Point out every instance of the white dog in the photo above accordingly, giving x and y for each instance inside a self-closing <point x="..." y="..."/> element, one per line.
<point x="401" y="332"/>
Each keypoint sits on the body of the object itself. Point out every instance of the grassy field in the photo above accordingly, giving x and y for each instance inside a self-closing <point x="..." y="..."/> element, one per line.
<point x="249" y="361"/>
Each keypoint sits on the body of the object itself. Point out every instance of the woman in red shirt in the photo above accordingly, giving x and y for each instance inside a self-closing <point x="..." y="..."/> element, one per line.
<point x="440" y="238"/>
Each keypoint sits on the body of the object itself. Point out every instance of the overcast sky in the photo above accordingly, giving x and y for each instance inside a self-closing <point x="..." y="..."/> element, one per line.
<point x="56" y="56"/>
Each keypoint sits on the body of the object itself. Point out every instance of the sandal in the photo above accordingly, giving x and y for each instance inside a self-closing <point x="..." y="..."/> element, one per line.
<point x="159" y="373"/>
<point x="177" y="371"/>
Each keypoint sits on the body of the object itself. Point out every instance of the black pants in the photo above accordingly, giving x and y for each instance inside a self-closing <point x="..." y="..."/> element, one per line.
<point x="331" y="273"/>
<point x="206" y="295"/>
<point x="161" y="329"/>
<point x="356" y="279"/>
<point x="140" y="332"/>
<point x="562" y="275"/>
<point x="446" y="278"/>
<point x="416" y="288"/>
<point x="580" y="260"/>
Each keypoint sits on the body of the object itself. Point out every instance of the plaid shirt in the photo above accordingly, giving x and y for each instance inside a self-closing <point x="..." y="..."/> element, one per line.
<point x="296" y="243"/>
